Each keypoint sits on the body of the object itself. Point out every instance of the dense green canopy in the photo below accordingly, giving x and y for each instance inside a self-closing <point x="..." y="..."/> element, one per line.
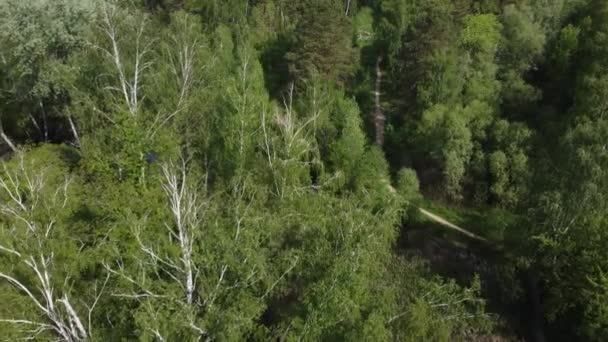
<point x="185" y="170"/>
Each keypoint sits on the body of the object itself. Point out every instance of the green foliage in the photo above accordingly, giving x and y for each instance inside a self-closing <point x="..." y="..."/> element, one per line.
<point x="445" y="135"/>
<point x="323" y="42"/>
<point x="495" y="224"/>
<point x="423" y="56"/>
<point x="222" y="184"/>
<point x="36" y="38"/>
<point x="363" y="24"/>
<point x="480" y="38"/>
<point x="391" y="26"/>
<point x="524" y="42"/>
<point x="508" y="165"/>
<point x="595" y="312"/>
<point x="347" y="151"/>
<point x="219" y="12"/>
<point x="569" y="207"/>
<point x="566" y="47"/>
<point x="43" y="241"/>
<point x="408" y="184"/>
<point x="265" y="21"/>
<point x="433" y="301"/>
<point x="36" y="34"/>
<point x="240" y="115"/>
<point x="481" y="33"/>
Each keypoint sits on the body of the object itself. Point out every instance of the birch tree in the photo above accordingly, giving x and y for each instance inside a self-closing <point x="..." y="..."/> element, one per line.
<point x="198" y="269"/>
<point x="128" y="58"/>
<point x="35" y="260"/>
<point x="183" y="60"/>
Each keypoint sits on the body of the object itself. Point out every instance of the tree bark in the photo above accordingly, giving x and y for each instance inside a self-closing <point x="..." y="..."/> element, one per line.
<point x="6" y="139"/>
<point x="8" y="142"/>
<point x="33" y="119"/>
<point x="45" y="133"/>
<point x="379" y="117"/>
<point x="74" y="132"/>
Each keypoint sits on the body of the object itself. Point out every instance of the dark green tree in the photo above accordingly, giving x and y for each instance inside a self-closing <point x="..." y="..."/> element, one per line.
<point x="322" y="42"/>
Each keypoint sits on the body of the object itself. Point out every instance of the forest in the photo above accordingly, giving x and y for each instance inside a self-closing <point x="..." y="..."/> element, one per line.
<point x="304" y="170"/>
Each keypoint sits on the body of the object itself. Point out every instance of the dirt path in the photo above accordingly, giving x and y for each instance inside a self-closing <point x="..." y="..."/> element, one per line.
<point x="441" y="220"/>
<point x="450" y="225"/>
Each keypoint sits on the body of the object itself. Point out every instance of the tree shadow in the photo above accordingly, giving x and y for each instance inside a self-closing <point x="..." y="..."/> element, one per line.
<point x="274" y="64"/>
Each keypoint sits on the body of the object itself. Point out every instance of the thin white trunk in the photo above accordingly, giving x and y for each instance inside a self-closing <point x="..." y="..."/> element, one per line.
<point x="136" y="73"/>
<point x="379" y="117"/>
<point x="183" y="66"/>
<point x="110" y="30"/>
<point x="74" y="131"/>
<point x="129" y="88"/>
<point x="6" y="139"/>
<point x="35" y="123"/>
<point x="45" y="132"/>
<point x="183" y="203"/>
<point x="8" y="142"/>
<point x="62" y="320"/>
<point x="77" y="328"/>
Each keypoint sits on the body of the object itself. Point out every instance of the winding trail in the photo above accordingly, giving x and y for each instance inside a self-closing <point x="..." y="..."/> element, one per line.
<point x="441" y="220"/>
<point x="450" y="225"/>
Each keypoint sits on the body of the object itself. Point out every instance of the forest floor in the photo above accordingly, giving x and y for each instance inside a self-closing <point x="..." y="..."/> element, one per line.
<point x="462" y="242"/>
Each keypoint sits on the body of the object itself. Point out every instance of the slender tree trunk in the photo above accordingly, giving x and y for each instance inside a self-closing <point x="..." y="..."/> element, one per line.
<point x="33" y="119"/>
<point x="184" y="207"/>
<point x="74" y="132"/>
<point x="45" y="123"/>
<point x="8" y="142"/>
<point x="347" y="7"/>
<point x="6" y="139"/>
<point x="379" y="117"/>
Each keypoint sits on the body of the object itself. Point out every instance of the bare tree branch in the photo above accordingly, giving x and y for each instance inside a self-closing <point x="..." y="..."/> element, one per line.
<point x="25" y="192"/>
<point x="295" y="262"/>
<point x="6" y="139"/>
<point x="129" y="88"/>
<point x="183" y="202"/>
<point x="74" y="131"/>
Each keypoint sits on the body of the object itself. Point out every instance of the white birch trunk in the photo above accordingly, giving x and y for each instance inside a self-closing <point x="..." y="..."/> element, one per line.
<point x="183" y="202"/>
<point x="379" y="117"/>
<point x="24" y="190"/>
